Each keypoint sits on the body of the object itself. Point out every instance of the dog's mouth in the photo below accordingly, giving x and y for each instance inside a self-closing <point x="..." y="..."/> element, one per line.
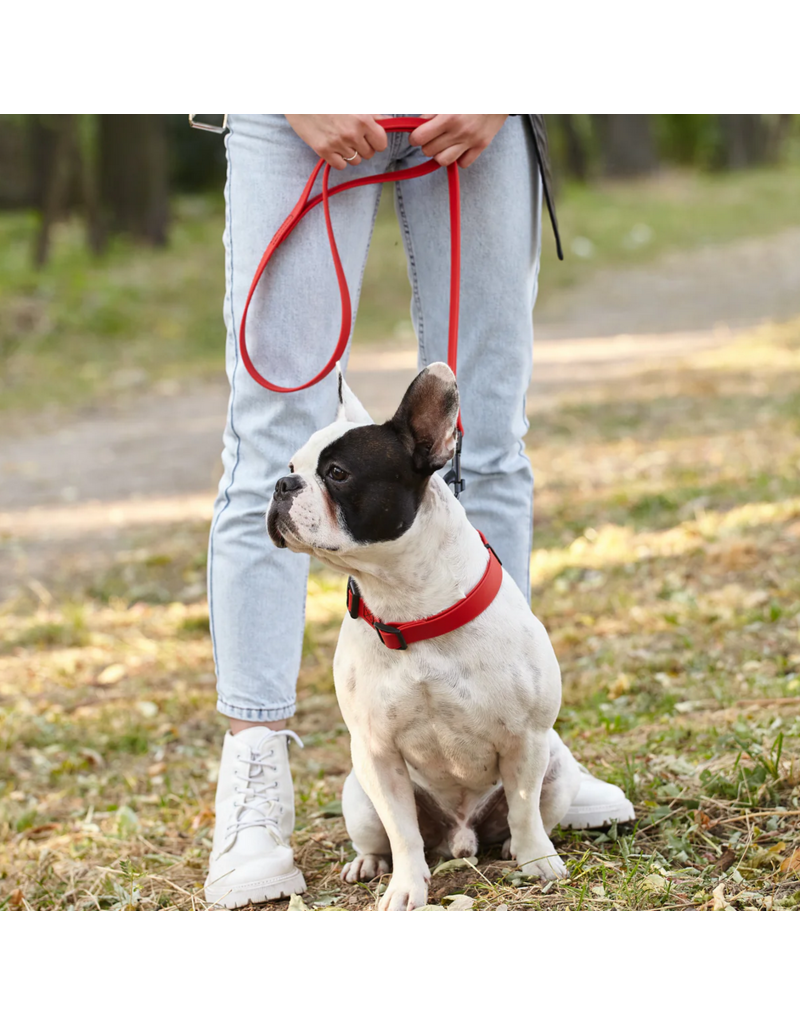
<point x="275" y="528"/>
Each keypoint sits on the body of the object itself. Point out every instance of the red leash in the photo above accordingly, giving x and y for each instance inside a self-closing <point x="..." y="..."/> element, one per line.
<point x="302" y="207"/>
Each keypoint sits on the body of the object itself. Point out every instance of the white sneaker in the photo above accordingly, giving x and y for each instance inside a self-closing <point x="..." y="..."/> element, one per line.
<point x="251" y="859"/>
<point x="597" y="803"/>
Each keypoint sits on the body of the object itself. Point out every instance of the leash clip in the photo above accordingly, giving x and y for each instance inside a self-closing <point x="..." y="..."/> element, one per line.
<point x="218" y="129"/>
<point x="454" y="475"/>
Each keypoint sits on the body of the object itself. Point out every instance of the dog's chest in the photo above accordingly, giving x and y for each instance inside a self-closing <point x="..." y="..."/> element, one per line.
<point x="443" y="718"/>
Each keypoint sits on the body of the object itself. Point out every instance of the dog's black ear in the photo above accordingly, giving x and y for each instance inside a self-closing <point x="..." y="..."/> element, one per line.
<point x="427" y="416"/>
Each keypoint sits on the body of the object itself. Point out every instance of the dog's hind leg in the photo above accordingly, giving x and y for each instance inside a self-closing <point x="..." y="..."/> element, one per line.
<point x="561" y="783"/>
<point x="366" y="832"/>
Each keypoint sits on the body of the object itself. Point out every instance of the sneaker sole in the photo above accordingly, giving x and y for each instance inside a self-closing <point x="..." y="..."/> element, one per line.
<point x="257" y="892"/>
<point x="598" y="817"/>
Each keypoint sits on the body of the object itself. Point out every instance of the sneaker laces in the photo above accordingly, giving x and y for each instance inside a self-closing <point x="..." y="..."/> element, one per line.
<point x="256" y="803"/>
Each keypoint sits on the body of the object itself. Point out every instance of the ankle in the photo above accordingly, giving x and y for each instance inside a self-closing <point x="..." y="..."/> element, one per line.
<point x="238" y="724"/>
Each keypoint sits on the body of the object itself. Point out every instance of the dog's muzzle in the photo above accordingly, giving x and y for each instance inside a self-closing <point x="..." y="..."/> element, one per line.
<point x="285" y="491"/>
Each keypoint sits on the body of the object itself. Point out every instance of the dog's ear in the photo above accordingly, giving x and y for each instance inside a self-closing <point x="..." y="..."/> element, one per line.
<point x="427" y="418"/>
<point x="350" y="409"/>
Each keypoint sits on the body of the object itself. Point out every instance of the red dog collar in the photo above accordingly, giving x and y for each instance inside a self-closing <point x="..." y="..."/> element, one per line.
<point x="398" y="635"/>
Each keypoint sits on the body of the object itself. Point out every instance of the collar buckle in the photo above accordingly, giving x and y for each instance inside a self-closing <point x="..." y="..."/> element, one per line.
<point x="384" y="627"/>
<point x="353" y="598"/>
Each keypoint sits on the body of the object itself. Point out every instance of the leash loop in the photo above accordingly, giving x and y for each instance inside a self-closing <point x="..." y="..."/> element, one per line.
<point x="305" y="204"/>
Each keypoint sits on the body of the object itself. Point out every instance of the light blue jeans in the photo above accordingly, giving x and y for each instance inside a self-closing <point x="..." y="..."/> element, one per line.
<point x="256" y="592"/>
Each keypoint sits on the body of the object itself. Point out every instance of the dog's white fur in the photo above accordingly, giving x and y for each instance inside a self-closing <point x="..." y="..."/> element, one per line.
<point x="456" y="717"/>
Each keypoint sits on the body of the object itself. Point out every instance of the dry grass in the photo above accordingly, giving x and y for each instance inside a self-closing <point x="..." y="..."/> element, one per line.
<point x="665" y="568"/>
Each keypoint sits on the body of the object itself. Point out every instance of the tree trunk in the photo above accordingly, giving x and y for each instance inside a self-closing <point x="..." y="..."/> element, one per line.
<point x="133" y="175"/>
<point x="626" y="144"/>
<point x="745" y="140"/>
<point x="574" y="148"/>
<point x="58" y="170"/>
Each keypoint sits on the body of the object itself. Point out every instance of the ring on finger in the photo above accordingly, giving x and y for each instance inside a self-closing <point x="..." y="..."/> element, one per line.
<point x="349" y="158"/>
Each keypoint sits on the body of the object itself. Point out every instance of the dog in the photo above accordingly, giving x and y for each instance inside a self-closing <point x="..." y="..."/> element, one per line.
<point x="452" y="739"/>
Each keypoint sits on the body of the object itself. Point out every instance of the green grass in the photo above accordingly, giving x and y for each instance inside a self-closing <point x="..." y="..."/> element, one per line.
<point x="635" y="221"/>
<point x="84" y="328"/>
<point x="676" y="624"/>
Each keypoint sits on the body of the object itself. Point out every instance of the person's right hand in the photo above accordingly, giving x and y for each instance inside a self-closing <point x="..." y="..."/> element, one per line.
<point x="335" y="136"/>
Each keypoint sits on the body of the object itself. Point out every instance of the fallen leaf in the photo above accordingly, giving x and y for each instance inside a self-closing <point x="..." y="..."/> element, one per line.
<point x="598" y="890"/>
<point x="204" y="817"/>
<point x="460" y="902"/>
<point x="654" y="883"/>
<point x="92" y="757"/>
<point x="718" y="901"/>
<point x="501" y="907"/>
<point x="702" y="819"/>
<point x="15" y="899"/>
<point x="330" y="810"/>
<point x="296" y="903"/>
<point x="791" y="866"/>
<point x="429" y="906"/>
<point x="448" y="866"/>
<point x="147" y="708"/>
<point x="725" y="861"/>
<point x="111" y="674"/>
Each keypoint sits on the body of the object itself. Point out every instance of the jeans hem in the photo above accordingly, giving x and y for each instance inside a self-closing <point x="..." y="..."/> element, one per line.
<point x="256" y="714"/>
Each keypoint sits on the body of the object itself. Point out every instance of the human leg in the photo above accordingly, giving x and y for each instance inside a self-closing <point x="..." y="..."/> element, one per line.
<point x="500" y="232"/>
<point x="256" y="591"/>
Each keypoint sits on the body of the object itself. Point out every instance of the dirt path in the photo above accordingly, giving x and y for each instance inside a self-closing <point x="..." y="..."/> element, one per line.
<point x="155" y="458"/>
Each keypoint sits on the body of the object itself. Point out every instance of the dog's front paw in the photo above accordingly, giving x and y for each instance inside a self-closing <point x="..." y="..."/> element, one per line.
<point x="364" y="867"/>
<point x="405" y="894"/>
<point x="544" y="863"/>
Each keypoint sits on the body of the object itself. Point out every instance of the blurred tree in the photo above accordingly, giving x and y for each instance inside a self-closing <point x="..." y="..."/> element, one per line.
<point x="133" y="175"/>
<point x="576" y="152"/>
<point x="627" y="144"/>
<point x="198" y="160"/>
<point x="749" y="140"/>
<point x="63" y="176"/>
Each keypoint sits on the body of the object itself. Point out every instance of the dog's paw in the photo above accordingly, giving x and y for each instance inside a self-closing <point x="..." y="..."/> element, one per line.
<point x="406" y="894"/>
<point x="536" y="863"/>
<point x="546" y="865"/>
<point x="364" y="867"/>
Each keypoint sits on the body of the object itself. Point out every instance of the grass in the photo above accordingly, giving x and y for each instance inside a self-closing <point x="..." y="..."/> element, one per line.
<point x="665" y="569"/>
<point x="83" y="328"/>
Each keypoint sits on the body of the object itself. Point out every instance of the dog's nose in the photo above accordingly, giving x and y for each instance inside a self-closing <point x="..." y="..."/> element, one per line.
<point x="287" y="484"/>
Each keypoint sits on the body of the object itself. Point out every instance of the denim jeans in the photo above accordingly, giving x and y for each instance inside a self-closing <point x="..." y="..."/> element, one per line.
<point x="256" y="592"/>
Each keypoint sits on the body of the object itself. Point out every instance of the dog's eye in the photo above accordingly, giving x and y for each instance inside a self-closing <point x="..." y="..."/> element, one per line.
<point x="337" y="473"/>
<point x="291" y="467"/>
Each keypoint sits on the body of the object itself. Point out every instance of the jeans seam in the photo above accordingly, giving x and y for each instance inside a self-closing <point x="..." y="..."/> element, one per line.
<point x="218" y="516"/>
<point x="412" y="265"/>
<point x="364" y="264"/>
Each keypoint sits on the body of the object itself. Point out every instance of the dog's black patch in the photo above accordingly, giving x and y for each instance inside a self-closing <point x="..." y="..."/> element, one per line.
<point x="381" y="493"/>
<point x="376" y="475"/>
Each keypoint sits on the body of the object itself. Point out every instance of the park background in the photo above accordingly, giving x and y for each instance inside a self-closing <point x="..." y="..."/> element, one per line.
<point x="664" y="438"/>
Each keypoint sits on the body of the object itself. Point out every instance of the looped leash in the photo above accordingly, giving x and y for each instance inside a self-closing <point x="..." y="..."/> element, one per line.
<point x="305" y="204"/>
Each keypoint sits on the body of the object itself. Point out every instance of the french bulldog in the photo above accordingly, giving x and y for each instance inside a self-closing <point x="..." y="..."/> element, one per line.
<point x="452" y="739"/>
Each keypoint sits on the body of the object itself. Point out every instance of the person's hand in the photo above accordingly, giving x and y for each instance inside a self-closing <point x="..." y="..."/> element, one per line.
<point x="461" y="137"/>
<point x="336" y="136"/>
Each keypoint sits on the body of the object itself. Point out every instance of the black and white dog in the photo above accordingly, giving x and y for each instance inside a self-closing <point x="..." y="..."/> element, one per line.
<point x="452" y="739"/>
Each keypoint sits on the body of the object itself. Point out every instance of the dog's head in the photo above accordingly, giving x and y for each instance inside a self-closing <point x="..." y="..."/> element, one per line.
<point x="357" y="483"/>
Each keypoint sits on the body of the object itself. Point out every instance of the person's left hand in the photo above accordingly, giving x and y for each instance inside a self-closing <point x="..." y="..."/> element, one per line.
<point x="461" y="137"/>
